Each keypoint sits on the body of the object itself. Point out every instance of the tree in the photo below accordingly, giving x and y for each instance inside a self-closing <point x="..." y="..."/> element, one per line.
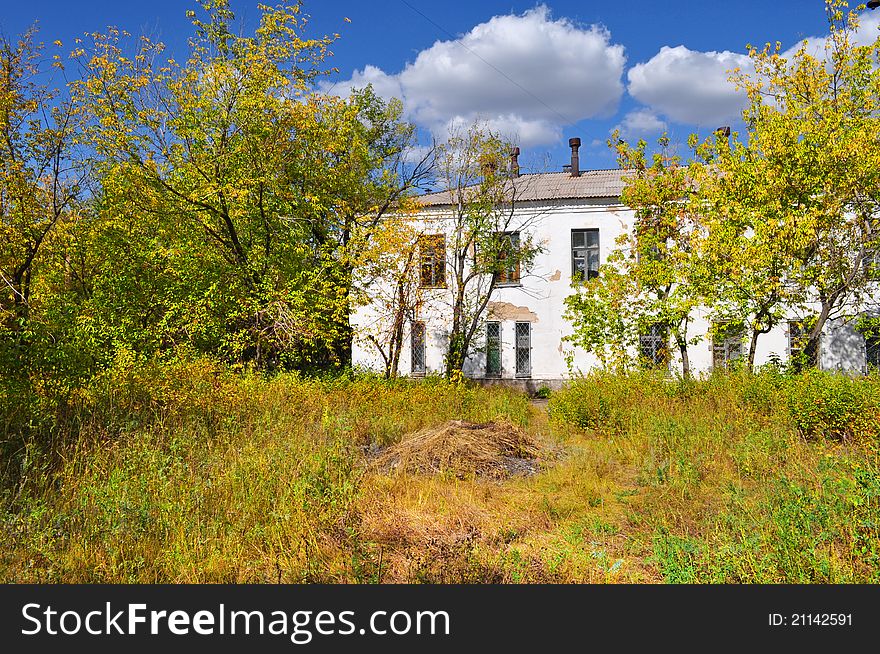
<point x="652" y="281"/>
<point x="40" y="181"/>
<point x="808" y="176"/>
<point x="245" y="199"/>
<point x="744" y="252"/>
<point x="488" y="239"/>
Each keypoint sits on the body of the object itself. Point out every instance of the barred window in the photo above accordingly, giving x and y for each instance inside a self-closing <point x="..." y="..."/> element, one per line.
<point x="493" y="349"/>
<point x="417" y="347"/>
<point x="872" y="352"/>
<point x="798" y="340"/>
<point x="654" y="346"/>
<point x="432" y="259"/>
<point x="523" y="349"/>
<point x="584" y="254"/>
<point x="727" y="345"/>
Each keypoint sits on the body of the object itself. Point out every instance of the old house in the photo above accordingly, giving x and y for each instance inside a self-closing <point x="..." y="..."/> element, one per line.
<point x="576" y="216"/>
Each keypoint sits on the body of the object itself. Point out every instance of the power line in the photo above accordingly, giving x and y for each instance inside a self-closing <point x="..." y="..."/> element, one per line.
<point x="565" y="120"/>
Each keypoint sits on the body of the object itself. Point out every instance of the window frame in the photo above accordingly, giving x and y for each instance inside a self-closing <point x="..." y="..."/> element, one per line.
<point x="518" y="347"/>
<point x="509" y="275"/>
<point x="726" y="345"/>
<point x="585" y="250"/>
<point x="418" y="327"/>
<point x="494" y="343"/>
<point x="432" y="254"/>
<point x="659" y="344"/>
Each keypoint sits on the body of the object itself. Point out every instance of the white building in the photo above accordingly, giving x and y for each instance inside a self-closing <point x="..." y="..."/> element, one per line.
<point x="577" y="218"/>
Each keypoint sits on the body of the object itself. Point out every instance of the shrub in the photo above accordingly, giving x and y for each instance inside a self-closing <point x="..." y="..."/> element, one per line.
<point x="834" y="406"/>
<point x="543" y="393"/>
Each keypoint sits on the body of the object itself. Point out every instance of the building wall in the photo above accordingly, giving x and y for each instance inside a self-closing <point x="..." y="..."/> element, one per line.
<point x="539" y="300"/>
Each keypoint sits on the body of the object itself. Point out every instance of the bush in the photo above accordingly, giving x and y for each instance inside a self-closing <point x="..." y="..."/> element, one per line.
<point x="543" y="393"/>
<point x="834" y="406"/>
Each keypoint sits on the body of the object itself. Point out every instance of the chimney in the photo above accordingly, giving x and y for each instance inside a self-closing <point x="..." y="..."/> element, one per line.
<point x="514" y="162"/>
<point x="575" y="143"/>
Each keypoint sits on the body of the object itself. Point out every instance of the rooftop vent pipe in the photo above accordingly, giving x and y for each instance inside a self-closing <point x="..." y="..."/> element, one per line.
<point x="575" y="143"/>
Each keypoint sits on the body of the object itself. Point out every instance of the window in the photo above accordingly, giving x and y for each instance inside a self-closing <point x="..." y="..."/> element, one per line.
<point x="871" y="259"/>
<point x="654" y="346"/>
<point x="493" y="349"/>
<point x="417" y="345"/>
<point x="727" y="344"/>
<point x="798" y="338"/>
<point x="508" y="274"/>
<point x="584" y="254"/>
<point x="523" y="349"/>
<point x="872" y="352"/>
<point x="871" y="264"/>
<point x="432" y="257"/>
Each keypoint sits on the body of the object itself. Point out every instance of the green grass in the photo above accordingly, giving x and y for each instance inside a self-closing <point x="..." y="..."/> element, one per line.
<point x="186" y="472"/>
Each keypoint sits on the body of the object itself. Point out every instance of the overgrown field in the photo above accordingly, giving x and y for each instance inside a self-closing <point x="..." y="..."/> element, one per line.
<point x="187" y="472"/>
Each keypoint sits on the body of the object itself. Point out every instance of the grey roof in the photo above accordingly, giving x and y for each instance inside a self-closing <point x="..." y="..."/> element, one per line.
<point x="553" y="186"/>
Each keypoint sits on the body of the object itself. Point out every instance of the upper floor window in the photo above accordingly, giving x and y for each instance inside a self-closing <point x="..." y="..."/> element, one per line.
<point x="508" y="272"/>
<point x="432" y="260"/>
<point x="584" y="254"/>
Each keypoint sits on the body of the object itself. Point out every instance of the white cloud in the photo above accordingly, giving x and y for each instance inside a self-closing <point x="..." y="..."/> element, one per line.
<point x="384" y="85"/>
<point x="689" y="86"/>
<point x="528" y="75"/>
<point x="639" y="123"/>
<point x="865" y="35"/>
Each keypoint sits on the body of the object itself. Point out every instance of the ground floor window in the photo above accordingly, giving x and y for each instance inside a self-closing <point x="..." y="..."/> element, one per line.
<point x="493" y="349"/>
<point x="872" y="351"/>
<point x="417" y="345"/>
<point x="523" y="349"/>
<point x="727" y="345"/>
<point x="654" y="346"/>
<point x="799" y="353"/>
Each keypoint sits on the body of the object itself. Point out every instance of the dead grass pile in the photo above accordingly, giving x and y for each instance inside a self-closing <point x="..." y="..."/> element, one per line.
<point x="496" y="449"/>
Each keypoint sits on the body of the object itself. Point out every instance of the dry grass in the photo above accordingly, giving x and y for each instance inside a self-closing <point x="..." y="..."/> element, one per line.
<point x="496" y="449"/>
<point x="196" y="475"/>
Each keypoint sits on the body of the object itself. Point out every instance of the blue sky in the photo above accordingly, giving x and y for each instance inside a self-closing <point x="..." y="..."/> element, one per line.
<point x="539" y="72"/>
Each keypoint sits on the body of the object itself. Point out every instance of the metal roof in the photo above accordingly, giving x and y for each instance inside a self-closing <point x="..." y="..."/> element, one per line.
<point x="553" y="186"/>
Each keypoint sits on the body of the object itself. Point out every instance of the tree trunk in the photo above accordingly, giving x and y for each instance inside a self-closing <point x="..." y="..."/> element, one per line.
<point x="681" y="341"/>
<point x="753" y="345"/>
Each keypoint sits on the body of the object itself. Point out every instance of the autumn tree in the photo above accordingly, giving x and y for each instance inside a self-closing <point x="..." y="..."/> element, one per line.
<point x="803" y="186"/>
<point x="244" y="198"/>
<point x="395" y="293"/>
<point x="40" y="181"/>
<point x="487" y="238"/>
<point x="652" y="281"/>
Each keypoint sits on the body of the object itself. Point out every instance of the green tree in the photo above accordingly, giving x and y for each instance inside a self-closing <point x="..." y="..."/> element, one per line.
<point x="235" y="201"/>
<point x="654" y="279"/>
<point x="40" y="184"/>
<point x="805" y="182"/>
<point x="487" y="239"/>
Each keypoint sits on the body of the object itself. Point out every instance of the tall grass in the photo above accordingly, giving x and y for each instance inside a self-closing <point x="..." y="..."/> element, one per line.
<point x="187" y="472"/>
<point x="744" y="478"/>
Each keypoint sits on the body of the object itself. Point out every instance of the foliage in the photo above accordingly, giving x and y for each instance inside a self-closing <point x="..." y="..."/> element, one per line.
<point x="472" y="167"/>
<point x="234" y="203"/>
<point x="654" y="279"/>
<point x="182" y="471"/>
